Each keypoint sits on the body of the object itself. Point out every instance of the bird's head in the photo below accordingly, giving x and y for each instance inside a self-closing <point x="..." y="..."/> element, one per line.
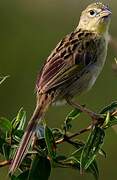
<point x="96" y="17"/>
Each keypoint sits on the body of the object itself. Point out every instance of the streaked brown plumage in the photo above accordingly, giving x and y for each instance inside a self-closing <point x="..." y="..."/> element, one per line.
<point x="71" y="69"/>
<point x="73" y="54"/>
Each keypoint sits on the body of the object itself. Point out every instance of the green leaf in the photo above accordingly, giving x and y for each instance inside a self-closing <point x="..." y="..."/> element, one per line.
<point x="13" y="150"/>
<point x="13" y="177"/>
<point x="109" y="108"/>
<point x="5" y="126"/>
<point x="6" y="150"/>
<point x="57" y="133"/>
<point x="19" y="121"/>
<point x="2" y="79"/>
<point x="26" y="163"/>
<point x="92" y="147"/>
<point x="111" y="122"/>
<point x="73" y="161"/>
<point x="102" y="152"/>
<point x="75" y="157"/>
<point x="77" y="153"/>
<point x="22" y="176"/>
<point x="93" y="169"/>
<point x="74" y="114"/>
<point x="71" y="116"/>
<point x="107" y="119"/>
<point x="40" y="168"/>
<point x="2" y="141"/>
<point x="17" y="135"/>
<point x="22" y="118"/>
<point x="110" y="119"/>
<point x="50" y="142"/>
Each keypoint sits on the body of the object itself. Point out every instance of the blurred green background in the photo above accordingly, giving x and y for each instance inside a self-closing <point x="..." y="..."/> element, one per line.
<point x="29" y="30"/>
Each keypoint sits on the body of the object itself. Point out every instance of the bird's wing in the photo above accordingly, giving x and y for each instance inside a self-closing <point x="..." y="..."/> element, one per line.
<point x="70" y="56"/>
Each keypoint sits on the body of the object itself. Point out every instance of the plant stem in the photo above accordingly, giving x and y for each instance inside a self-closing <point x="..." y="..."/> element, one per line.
<point x="4" y="163"/>
<point x="67" y="138"/>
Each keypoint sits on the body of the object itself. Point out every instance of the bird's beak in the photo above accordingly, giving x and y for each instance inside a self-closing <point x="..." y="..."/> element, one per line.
<point x="106" y="13"/>
<point x="104" y="20"/>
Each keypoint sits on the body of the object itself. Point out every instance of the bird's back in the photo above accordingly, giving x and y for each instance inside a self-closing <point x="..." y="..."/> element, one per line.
<point x="74" y="64"/>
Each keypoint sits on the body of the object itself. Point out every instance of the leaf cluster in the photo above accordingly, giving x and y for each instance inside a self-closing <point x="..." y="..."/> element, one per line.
<point x="43" y="154"/>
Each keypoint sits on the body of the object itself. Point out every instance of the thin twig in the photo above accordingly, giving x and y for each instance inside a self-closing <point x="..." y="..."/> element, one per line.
<point x="4" y="163"/>
<point x="67" y="138"/>
<point x="114" y="113"/>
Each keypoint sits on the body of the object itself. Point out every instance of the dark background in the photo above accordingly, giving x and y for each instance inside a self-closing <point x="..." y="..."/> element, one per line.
<point x="29" y="30"/>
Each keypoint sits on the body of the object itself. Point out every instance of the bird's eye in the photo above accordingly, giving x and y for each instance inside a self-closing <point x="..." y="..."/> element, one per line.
<point x="92" y="13"/>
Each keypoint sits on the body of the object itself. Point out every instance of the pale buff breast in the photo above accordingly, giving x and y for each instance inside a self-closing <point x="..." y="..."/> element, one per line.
<point x="88" y="76"/>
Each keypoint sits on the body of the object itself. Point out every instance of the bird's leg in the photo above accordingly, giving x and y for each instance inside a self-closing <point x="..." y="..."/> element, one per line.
<point x="95" y="117"/>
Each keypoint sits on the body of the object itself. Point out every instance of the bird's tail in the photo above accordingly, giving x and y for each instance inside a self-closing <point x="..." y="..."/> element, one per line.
<point x="41" y="107"/>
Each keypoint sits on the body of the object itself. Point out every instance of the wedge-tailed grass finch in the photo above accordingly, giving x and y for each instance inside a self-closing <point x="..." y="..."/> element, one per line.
<point x="72" y="68"/>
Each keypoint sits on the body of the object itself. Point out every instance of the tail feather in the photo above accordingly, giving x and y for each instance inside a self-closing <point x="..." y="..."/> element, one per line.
<point x="30" y="130"/>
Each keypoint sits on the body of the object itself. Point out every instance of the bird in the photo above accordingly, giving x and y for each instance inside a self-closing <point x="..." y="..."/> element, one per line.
<point x="71" y="69"/>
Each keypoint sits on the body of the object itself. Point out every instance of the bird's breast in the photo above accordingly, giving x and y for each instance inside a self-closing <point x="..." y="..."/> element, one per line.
<point x="89" y="74"/>
<point x="95" y="68"/>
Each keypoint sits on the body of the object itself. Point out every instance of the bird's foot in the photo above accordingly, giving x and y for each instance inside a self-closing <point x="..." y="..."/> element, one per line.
<point x="96" y="118"/>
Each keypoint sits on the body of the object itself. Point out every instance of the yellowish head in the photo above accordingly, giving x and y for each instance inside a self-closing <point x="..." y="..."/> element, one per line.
<point x="96" y="17"/>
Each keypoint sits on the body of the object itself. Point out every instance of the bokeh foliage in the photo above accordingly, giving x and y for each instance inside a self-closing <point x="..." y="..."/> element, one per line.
<point x="43" y="153"/>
